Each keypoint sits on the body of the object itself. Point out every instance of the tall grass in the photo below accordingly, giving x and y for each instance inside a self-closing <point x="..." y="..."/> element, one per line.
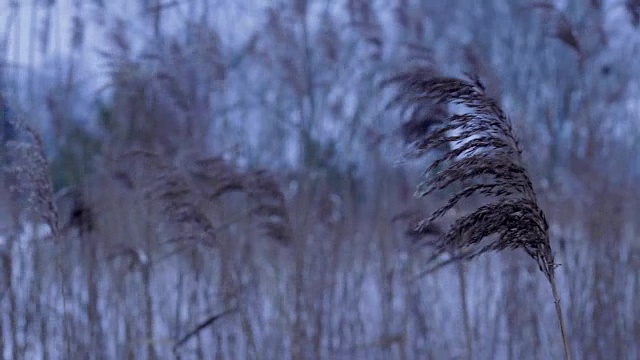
<point x="233" y="193"/>
<point x="484" y="156"/>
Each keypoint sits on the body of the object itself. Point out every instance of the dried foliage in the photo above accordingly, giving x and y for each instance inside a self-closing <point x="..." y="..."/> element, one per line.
<point x="184" y="192"/>
<point x="27" y="169"/>
<point x="419" y="117"/>
<point x="485" y="159"/>
<point x="271" y="209"/>
<point x="171" y="191"/>
<point x="488" y="155"/>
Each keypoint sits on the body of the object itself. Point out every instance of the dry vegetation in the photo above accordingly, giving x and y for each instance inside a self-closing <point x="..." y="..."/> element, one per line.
<point x="236" y="193"/>
<point x="484" y="152"/>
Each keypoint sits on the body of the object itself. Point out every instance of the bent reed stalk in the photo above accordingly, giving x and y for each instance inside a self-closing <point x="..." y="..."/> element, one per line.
<point x="483" y="157"/>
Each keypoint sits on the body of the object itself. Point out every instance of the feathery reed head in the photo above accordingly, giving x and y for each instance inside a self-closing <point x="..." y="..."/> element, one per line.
<point x="483" y="159"/>
<point x="25" y="165"/>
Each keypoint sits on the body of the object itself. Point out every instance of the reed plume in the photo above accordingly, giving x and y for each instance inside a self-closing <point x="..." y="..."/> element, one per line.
<point x="483" y="159"/>
<point x="25" y="165"/>
<point x="183" y="192"/>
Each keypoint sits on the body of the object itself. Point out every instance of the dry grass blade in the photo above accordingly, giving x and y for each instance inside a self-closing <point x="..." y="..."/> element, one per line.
<point x="485" y="158"/>
<point x="201" y="326"/>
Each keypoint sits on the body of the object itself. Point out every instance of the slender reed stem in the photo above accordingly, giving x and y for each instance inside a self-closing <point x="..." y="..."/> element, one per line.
<point x="556" y="300"/>
<point x="465" y="309"/>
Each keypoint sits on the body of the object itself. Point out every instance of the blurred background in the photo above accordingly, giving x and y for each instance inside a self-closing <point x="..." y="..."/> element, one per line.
<point x="222" y="179"/>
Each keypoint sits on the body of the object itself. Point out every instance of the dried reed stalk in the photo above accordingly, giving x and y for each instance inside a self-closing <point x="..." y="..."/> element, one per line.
<point x="484" y="159"/>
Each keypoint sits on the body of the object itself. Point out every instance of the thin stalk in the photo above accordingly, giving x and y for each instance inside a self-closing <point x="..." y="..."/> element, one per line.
<point x="465" y="310"/>
<point x="556" y="300"/>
